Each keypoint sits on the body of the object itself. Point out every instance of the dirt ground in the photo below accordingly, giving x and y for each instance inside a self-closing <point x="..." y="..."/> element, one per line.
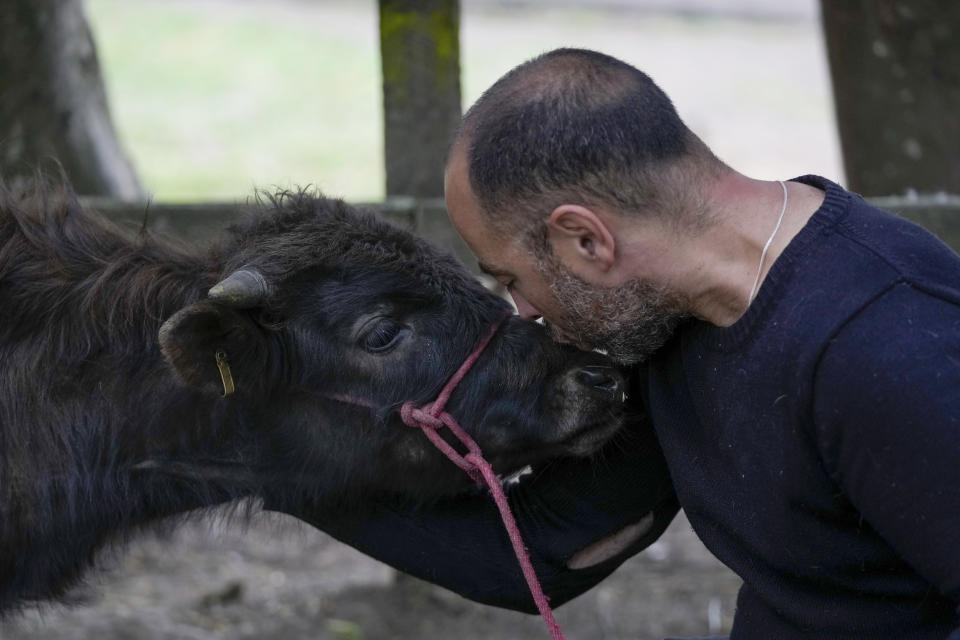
<point x="275" y="578"/>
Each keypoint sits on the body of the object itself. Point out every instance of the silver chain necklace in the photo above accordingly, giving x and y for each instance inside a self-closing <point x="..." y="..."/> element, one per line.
<point x="766" y="247"/>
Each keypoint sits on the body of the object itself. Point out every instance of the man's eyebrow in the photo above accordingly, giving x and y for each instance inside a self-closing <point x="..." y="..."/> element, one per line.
<point x="491" y="271"/>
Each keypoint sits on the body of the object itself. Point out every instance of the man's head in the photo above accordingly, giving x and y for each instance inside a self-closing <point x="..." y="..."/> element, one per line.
<point x="550" y="174"/>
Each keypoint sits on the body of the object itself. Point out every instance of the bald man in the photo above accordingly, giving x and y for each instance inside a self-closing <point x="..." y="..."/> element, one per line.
<point x="797" y="353"/>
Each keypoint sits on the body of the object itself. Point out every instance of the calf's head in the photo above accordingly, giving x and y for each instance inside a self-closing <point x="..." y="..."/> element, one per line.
<point x="331" y="319"/>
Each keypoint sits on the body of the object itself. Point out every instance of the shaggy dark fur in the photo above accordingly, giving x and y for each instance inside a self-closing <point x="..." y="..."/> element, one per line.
<point x="105" y="428"/>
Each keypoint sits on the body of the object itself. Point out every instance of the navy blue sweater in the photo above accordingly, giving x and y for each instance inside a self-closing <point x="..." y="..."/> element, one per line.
<point x="815" y="446"/>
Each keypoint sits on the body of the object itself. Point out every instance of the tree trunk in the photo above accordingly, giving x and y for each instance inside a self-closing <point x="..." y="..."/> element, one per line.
<point x="420" y="56"/>
<point x="896" y="81"/>
<point x="53" y="103"/>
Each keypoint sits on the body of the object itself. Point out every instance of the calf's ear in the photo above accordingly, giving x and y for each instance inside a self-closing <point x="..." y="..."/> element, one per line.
<point x="196" y="337"/>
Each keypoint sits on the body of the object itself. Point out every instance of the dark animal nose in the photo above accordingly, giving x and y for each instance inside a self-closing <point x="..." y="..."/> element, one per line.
<point x="600" y="378"/>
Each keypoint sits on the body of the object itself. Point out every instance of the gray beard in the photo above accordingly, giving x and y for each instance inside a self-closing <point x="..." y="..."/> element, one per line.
<point x="629" y="322"/>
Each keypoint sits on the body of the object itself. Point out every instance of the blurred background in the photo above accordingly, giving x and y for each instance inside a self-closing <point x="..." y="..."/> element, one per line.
<point x="212" y="98"/>
<point x="206" y="100"/>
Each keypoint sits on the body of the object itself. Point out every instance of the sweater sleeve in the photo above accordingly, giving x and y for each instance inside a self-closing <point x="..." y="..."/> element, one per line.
<point x="460" y="543"/>
<point x="887" y="409"/>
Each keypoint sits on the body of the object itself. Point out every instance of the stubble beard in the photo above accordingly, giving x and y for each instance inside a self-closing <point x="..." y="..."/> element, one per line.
<point x="629" y="322"/>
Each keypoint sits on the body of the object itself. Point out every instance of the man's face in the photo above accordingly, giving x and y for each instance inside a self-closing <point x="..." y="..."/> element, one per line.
<point x="628" y="321"/>
<point x="503" y="258"/>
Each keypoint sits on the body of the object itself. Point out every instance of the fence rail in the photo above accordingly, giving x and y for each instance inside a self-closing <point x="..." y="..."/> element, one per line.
<point x="196" y="222"/>
<point x="940" y="214"/>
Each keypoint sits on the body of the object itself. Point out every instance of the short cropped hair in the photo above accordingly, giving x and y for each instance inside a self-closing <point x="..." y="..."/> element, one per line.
<point x="575" y="125"/>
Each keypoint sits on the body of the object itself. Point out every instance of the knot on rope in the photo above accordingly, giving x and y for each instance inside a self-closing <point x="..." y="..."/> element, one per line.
<point x="423" y="419"/>
<point x="419" y="417"/>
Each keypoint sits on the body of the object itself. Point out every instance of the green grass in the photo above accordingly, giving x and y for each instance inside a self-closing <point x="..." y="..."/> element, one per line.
<point x="212" y="100"/>
<point x="215" y="97"/>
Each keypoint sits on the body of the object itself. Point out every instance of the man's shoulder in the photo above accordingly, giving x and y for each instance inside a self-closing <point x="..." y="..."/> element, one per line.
<point x="890" y="249"/>
<point x="877" y="287"/>
<point x="903" y="326"/>
<point x="853" y="253"/>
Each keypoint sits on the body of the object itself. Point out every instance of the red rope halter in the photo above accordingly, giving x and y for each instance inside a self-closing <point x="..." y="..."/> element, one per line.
<point x="429" y="419"/>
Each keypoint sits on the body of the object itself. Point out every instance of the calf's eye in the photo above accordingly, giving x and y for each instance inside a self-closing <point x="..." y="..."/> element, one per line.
<point x="383" y="335"/>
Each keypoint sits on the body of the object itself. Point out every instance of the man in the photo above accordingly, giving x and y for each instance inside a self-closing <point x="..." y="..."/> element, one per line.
<point x="797" y="352"/>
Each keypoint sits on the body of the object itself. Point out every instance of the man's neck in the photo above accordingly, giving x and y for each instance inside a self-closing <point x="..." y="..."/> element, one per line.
<point x="715" y="270"/>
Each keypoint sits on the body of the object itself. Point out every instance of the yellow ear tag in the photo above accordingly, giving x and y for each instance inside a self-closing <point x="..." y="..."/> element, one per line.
<point x="225" y="376"/>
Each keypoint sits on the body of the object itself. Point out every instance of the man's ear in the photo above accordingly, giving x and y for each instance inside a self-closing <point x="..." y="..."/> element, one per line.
<point x="191" y="339"/>
<point x="580" y="237"/>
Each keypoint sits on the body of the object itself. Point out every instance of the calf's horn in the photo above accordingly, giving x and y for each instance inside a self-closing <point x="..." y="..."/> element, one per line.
<point x="242" y="288"/>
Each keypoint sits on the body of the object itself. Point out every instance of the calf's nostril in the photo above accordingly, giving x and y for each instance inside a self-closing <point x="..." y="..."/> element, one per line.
<point x="600" y="378"/>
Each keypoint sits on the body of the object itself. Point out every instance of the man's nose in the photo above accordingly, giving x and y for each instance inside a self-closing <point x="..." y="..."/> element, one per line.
<point x="524" y="309"/>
